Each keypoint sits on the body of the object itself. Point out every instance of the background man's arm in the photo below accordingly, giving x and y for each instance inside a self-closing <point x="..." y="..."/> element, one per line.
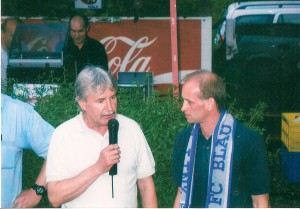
<point x="28" y="198"/>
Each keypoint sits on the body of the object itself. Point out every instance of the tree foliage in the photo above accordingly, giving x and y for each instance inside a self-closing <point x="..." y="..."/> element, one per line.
<point x="125" y="8"/>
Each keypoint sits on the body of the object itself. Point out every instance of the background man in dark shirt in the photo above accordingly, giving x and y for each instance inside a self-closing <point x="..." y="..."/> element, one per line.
<point x="82" y="49"/>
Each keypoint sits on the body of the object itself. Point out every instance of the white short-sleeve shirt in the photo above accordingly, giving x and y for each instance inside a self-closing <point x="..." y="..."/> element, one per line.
<point x="74" y="147"/>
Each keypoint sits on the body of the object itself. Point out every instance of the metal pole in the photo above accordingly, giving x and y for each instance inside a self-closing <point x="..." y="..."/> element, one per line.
<point x="174" y="48"/>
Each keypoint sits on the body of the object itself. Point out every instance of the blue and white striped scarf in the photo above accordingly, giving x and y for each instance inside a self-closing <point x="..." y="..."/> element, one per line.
<point x="219" y="175"/>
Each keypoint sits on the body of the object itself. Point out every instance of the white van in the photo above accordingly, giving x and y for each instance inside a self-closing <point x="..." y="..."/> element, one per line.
<point x="259" y="55"/>
<point x="257" y="12"/>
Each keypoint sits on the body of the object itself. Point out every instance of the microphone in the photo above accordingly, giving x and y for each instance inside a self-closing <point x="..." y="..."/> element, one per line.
<point x="113" y="127"/>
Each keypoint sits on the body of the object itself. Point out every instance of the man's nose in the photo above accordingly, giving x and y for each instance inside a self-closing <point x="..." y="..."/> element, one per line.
<point x="75" y="34"/>
<point x="184" y="106"/>
<point x="109" y="105"/>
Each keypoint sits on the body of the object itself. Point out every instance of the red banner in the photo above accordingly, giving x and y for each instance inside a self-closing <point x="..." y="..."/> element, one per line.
<point x="146" y="46"/>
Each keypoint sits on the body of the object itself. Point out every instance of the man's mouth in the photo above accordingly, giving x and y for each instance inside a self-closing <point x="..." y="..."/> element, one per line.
<point x="108" y="115"/>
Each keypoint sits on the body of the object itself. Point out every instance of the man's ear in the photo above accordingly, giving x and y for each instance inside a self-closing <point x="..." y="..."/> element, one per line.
<point x="211" y="103"/>
<point x="82" y="104"/>
<point x="88" y="28"/>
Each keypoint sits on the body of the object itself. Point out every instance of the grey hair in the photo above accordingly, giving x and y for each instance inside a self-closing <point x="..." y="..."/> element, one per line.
<point x="92" y="79"/>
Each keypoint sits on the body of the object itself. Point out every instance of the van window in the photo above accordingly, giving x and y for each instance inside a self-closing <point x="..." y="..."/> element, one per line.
<point x="289" y="18"/>
<point x="262" y="7"/>
<point x="255" y="19"/>
<point x="273" y="30"/>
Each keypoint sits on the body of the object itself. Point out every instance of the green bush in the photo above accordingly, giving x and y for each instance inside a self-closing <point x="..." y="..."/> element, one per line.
<point x="159" y="116"/>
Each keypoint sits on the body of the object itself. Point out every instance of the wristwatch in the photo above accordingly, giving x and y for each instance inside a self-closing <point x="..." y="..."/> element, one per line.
<point x="39" y="190"/>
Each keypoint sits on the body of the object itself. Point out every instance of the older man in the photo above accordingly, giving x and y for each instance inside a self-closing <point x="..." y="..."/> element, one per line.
<point x="80" y="155"/>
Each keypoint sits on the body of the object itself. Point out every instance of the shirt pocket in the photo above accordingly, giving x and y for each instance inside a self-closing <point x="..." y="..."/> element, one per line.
<point x="9" y="155"/>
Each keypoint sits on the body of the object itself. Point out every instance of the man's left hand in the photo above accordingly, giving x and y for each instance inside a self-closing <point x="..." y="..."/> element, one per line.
<point x="27" y="199"/>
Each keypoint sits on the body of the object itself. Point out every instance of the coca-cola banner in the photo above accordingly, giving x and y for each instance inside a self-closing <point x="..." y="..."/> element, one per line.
<point x="145" y="45"/>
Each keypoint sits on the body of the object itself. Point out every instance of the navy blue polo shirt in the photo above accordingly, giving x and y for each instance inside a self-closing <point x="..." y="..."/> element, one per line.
<point x="250" y="172"/>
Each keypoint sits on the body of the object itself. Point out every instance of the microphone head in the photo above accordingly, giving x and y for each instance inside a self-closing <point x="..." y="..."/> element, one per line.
<point x="113" y="127"/>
